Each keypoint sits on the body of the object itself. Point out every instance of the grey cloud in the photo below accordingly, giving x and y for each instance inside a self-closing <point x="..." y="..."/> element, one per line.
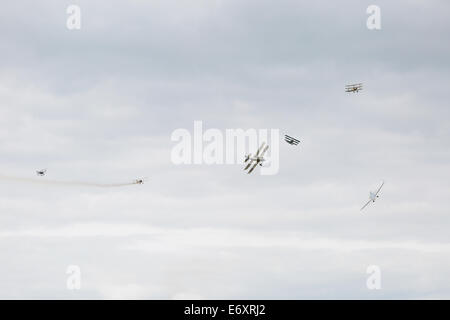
<point x="100" y="104"/>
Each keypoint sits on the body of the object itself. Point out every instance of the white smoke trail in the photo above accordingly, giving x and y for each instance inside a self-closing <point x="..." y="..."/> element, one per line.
<point x="43" y="180"/>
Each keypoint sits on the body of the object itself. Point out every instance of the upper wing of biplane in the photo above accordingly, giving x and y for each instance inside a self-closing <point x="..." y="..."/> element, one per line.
<point x="354" y="85"/>
<point x="260" y="148"/>
<point x="264" y="151"/>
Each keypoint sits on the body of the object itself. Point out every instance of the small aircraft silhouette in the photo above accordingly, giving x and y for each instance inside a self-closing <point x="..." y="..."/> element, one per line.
<point x="140" y="181"/>
<point x="41" y="173"/>
<point x="257" y="159"/>
<point x="291" y="140"/>
<point x="373" y="196"/>
<point x="353" y="87"/>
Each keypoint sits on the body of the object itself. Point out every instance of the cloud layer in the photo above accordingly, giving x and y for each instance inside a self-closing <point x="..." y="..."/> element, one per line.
<point x="99" y="105"/>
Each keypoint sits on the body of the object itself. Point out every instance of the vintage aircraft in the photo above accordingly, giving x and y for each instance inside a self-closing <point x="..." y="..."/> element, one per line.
<point x="256" y="159"/>
<point x="373" y="196"/>
<point x="353" y="87"/>
<point x="140" y="181"/>
<point x="290" y="140"/>
<point x="41" y="173"/>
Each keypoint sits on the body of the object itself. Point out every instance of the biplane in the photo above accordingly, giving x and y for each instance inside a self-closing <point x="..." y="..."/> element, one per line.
<point x="291" y="140"/>
<point x="258" y="158"/>
<point x="353" y="87"/>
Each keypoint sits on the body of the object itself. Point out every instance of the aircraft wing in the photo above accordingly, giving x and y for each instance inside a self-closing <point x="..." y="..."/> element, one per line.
<point x="248" y="165"/>
<point x="260" y="148"/>
<point x="291" y="140"/>
<point x="366" y="204"/>
<point x="253" y="168"/>
<point x="382" y="184"/>
<point x="264" y="151"/>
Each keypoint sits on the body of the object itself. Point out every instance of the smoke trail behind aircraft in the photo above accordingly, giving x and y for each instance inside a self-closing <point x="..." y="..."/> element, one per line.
<point x="64" y="183"/>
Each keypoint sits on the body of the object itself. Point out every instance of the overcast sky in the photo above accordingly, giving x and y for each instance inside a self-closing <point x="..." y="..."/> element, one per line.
<point x="99" y="105"/>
